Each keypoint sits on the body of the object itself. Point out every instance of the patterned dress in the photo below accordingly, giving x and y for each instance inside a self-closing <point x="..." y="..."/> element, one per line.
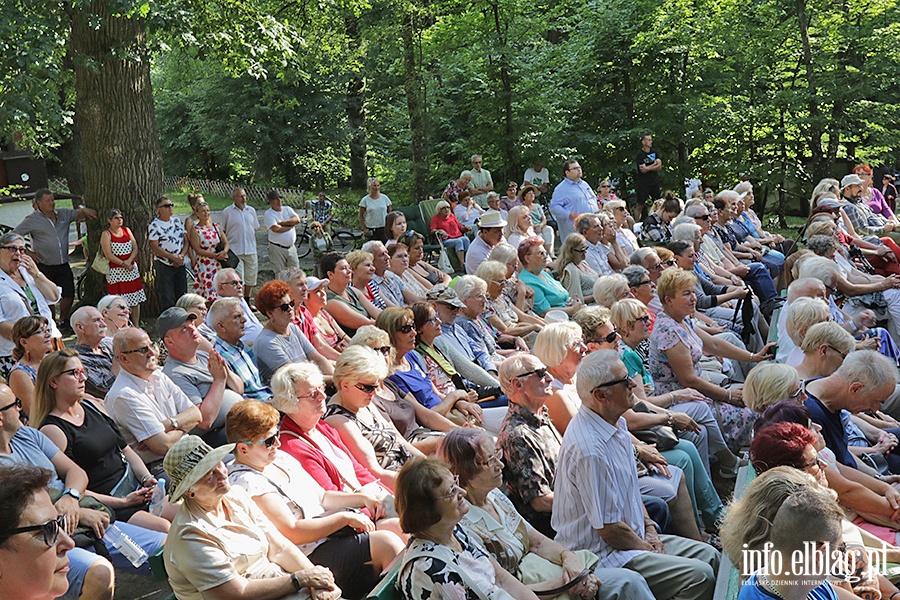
<point x="206" y="268"/>
<point x="122" y="281"/>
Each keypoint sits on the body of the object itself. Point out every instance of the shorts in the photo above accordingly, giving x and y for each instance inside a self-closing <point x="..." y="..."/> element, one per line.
<point x="248" y="268"/>
<point x="347" y="558"/>
<point x="62" y="276"/>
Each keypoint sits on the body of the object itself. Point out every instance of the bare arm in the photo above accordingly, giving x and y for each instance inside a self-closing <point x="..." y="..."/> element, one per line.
<point x="361" y="448"/>
<point x="161" y="442"/>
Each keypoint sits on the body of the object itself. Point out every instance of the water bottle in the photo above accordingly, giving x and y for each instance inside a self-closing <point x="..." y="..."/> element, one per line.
<point x="127" y="546"/>
<point x="158" y="497"/>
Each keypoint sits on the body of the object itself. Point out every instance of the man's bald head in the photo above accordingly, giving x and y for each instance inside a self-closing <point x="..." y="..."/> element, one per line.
<point x="806" y="287"/>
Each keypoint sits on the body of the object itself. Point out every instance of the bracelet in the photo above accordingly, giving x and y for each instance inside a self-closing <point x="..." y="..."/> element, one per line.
<point x="728" y="396"/>
<point x="671" y="398"/>
<point x="296" y="582"/>
<point x="670" y="418"/>
<point x="146" y="477"/>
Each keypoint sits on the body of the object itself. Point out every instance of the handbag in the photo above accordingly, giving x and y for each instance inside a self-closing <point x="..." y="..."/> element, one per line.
<point x="232" y="261"/>
<point x="662" y="436"/>
<point x="84" y="536"/>
<point x="444" y="261"/>
<point x="100" y="263"/>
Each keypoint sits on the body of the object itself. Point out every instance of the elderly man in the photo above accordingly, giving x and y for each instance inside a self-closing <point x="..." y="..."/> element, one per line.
<point x="490" y="234"/>
<point x="597" y="503"/>
<point x="204" y="377"/>
<point x="591" y="227"/>
<point x="571" y="197"/>
<point x="864" y="380"/>
<point x="239" y="224"/>
<point x="96" y="358"/>
<point x="48" y="227"/>
<point x="151" y="411"/>
<point x="229" y="285"/>
<point x="481" y="182"/>
<point x="280" y="223"/>
<point x="227" y="319"/>
<point x="391" y="287"/>
<point x="447" y="305"/>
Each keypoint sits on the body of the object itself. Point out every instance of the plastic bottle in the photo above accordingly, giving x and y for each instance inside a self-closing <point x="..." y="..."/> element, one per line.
<point x="127" y="546"/>
<point x="158" y="497"/>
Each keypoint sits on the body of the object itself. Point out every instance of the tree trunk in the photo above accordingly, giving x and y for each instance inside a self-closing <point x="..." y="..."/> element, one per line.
<point x="506" y="93"/>
<point x="120" y="146"/>
<point x="816" y="131"/>
<point x="412" y="84"/>
<point x="356" y="113"/>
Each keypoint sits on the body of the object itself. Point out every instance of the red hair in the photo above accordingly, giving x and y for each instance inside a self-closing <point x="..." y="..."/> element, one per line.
<point x="780" y="444"/>
<point x="526" y="245"/>
<point x="863" y="169"/>
<point x="269" y="296"/>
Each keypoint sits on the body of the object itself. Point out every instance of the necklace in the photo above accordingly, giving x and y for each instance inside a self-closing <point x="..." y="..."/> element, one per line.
<point x="771" y="587"/>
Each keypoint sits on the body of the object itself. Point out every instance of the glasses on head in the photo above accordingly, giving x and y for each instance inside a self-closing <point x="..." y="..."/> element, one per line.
<point x="15" y="249"/>
<point x="142" y="350"/>
<point x="237" y="283"/>
<point x="455" y="490"/>
<point x="406" y="328"/>
<point x="269" y="441"/>
<point x="287" y="306"/>
<point x="383" y="349"/>
<point x="843" y="354"/>
<point x="495" y="458"/>
<point x="78" y="373"/>
<point x="366" y="388"/>
<point x="50" y="530"/>
<point x="539" y="372"/>
<point x="626" y="381"/>
<point x="313" y="395"/>
<point x="17" y="404"/>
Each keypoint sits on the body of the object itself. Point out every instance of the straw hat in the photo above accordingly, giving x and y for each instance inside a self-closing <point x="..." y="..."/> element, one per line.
<point x="188" y="461"/>
<point x="491" y="218"/>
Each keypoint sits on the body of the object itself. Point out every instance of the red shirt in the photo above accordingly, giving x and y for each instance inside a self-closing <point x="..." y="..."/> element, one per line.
<point x="450" y="225"/>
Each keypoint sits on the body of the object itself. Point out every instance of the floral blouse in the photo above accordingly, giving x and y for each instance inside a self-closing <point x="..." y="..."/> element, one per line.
<point x="666" y="335"/>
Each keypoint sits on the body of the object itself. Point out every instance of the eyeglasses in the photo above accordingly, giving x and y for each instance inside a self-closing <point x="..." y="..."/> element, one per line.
<point x="454" y="490"/>
<point x="626" y="381"/>
<point x="17" y="404"/>
<point x="287" y="306"/>
<point x="366" y="388"/>
<point x="15" y="249"/>
<point x="434" y="319"/>
<point x="539" y="372"/>
<point x="406" y="328"/>
<point x="269" y="441"/>
<point x="166" y="205"/>
<point x="50" y="530"/>
<point x="645" y="319"/>
<point x="497" y="457"/>
<point x="76" y="373"/>
<point x="799" y="391"/>
<point x="702" y="217"/>
<point x="843" y="354"/>
<point x="817" y="462"/>
<point x="142" y="350"/>
<point x="314" y="395"/>
<point x="237" y="283"/>
<point x="645" y="282"/>
<point x="383" y="349"/>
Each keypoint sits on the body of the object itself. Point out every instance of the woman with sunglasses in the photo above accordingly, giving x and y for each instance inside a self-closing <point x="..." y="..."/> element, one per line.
<point x="120" y="248"/>
<point x="536" y="560"/>
<point x="24" y="291"/>
<point x="204" y="237"/>
<point x="82" y="430"/>
<point x="33" y="343"/>
<point x="327" y="526"/>
<point x="280" y="341"/>
<point x="371" y="438"/>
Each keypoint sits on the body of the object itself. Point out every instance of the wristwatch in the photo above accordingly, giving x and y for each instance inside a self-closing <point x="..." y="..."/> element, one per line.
<point x="72" y="492"/>
<point x="174" y="423"/>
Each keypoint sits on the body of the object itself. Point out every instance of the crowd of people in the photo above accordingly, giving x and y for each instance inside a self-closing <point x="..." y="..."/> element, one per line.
<point x="567" y="418"/>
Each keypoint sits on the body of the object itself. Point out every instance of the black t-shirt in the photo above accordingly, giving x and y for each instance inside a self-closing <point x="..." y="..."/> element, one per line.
<point x="647" y="158"/>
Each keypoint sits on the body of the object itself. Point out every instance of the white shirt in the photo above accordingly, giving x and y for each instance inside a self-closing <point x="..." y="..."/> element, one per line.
<point x="239" y="227"/>
<point x="537" y="178"/>
<point x="273" y="218"/>
<point x="596" y="257"/>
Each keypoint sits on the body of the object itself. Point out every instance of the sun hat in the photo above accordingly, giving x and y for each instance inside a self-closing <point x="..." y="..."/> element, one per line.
<point x="188" y="461"/>
<point x="442" y="293"/>
<point x="313" y="283"/>
<point x="851" y="179"/>
<point x="491" y="218"/>
<point x="527" y="187"/>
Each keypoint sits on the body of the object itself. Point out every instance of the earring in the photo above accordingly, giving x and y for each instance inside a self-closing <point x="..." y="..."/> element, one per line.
<point x="191" y="494"/>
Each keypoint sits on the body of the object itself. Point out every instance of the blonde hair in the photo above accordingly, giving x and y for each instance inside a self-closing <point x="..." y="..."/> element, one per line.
<point x="368" y="335"/>
<point x="190" y="300"/>
<point x="356" y="362"/>
<point x="672" y="281"/>
<point x="767" y="384"/>
<point x="613" y="205"/>
<point x="491" y="270"/>
<point x="609" y="288"/>
<point x="627" y="311"/>
<point x="567" y="251"/>
<point x="358" y="257"/>
<point x="828" y="333"/>
<point x="821" y="227"/>
<point x="802" y="314"/>
<point x="512" y="221"/>
<point x="554" y="341"/>
<point x="285" y="380"/>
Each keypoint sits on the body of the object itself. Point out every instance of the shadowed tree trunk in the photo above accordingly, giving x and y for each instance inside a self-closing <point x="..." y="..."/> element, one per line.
<point x="413" y="86"/>
<point x="356" y="113"/>
<point x="121" y="156"/>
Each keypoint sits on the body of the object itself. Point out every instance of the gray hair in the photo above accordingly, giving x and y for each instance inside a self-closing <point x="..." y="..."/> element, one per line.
<point x="217" y="280"/>
<point x="356" y="362"/>
<point x="743" y="187"/>
<point x="492" y="196"/>
<point x="817" y="267"/>
<point x="802" y="314"/>
<point x="821" y="244"/>
<point x="469" y="285"/>
<point x="369" y="334"/>
<point x="190" y="300"/>
<point x="828" y="333"/>
<point x="634" y="274"/>
<point x="107" y="301"/>
<point x="82" y="315"/>
<point x="694" y="210"/>
<point x="474" y="156"/>
<point x="596" y="369"/>
<point x="685" y="232"/>
<point x="608" y="288"/>
<point x="219" y="310"/>
<point x="9" y="237"/>
<point x="682" y="220"/>
<point x="370" y="246"/>
<point x="503" y="253"/>
<point x="285" y="380"/>
<point x="465" y="174"/>
<point x="803" y="288"/>
<point x="554" y="341"/>
<point x="514" y="366"/>
<point x="729" y="195"/>
<point x="641" y="254"/>
<point x="288" y="275"/>
<point x="869" y="368"/>
<point x="584" y="222"/>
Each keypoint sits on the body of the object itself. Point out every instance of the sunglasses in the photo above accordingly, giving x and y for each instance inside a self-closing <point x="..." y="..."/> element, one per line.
<point x="17" y="404"/>
<point x="671" y="262"/>
<point x="287" y="306"/>
<point x="703" y="217"/>
<point x="799" y="391"/>
<point x="50" y="530"/>
<point x="626" y="381"/>
<point x="166" y="205"/>
<point x="366" y="388"/>
<point x="142" y="350"/>
<point x="383" y="349"/>
<point x="269" y="441"/>
<point x="582" y="249"/>
<point x="610" y="338"/>
<point x="406" y="328"/>
<point x="539" y="372"/>
<point x="645" y="319"/>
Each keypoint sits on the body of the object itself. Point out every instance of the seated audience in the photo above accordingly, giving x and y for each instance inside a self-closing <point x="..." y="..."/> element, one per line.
<point x="489" y="236"/>
<point x="575" y="274"/>
<point x="227" y="318"/>
<point x="501" y="313"/>
<point x="656" y="226"/>
<point x="426" y="274"/>
<point x="96" y="358"/>
<point x="229" y="285"/>
<point x="349" y="306"/>
<point x="33" y="342"/>
<point x="590" y="226"/>
<point x="472" y="292"/>
<point x="561" y="347"/>
<point x="301" y="294"/>
<point x="518" y="226"/>
<point x="449" y="231"/>
<point x="116" y="312"/>
<point x="770" y="383"/>
<point x="399" y="266"/>
<point x="196" y="305"/>
<point x="609" y="289"/>
<point x="548" y="292"/>
<point x="326" y="327"/>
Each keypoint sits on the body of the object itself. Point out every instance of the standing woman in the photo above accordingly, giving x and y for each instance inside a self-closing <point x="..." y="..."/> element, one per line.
<point x="124" y="279"/>
<point x="373" y="210"/>
<point x="527" y="194"/>
<point x="204" y="238"/>
<point x="33" y="343"/>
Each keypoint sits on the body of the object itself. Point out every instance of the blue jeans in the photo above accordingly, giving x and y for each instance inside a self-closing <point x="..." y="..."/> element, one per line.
<point x="171" y="283"/>
<point x="761" y="282"/>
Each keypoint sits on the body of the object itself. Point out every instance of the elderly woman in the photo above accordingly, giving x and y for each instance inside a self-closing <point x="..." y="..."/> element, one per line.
<point x="33" y="540"/>
<point x="372" y="439"/>
<point x="301" y="509"/>
<point x="427" y="275"/>
<point x="770" y="383"/>
<point x="327" y="328"/>
<point x="349" y="306"/>
<point x="373" y="210"/>
<point x="548" y="292"/>
<point x="363" y="265"/>
<point x="299" y="392"/>
<point x="472" y="291"/>
<point x="801" y="314"/>
<point x="280" y="341"/>
<point x="442" y="560"/>
<point x="305" y="319"/>
<point x="624" y="235"/>
<point x="116" y="313"/>
<point x="457" y="186"/>
<point x="24" y="291"/>
<point x="610" y="289"/>
<point x="536" y="560"/>
<point x="518" y="293"/>
<point x="196" y="305"/>
<point x="824" y="347"/>
<point x="83" y="430"/>
<point x="33" y="343"/>
<point x="560" y="346"/>
<point x="221" y="545"/>
<point x="501" y="313"/>
<point x="528" y="194"/>
<point x="449" y="231"/>
<point x="676" y="348"/>
<point x="420" y="426"/>
<point x="576" y="275"/>
<point x="518" y="226"/>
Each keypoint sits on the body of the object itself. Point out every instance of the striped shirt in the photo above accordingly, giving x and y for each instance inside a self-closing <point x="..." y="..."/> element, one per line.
<point x="596" y="485"/>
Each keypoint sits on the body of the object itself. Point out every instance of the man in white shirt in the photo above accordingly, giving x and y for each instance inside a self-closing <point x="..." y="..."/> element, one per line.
<point x="280" y="222"/>
<point x="239" y="224"/>
<point x="481" y="182"/>
<point x="591" y="227"/>
<point x="538" y="176"/>
<point x="228" y="285"/>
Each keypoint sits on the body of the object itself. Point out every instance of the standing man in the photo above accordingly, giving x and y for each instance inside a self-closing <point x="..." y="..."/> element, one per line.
<point x="571" y="197"/>
<point x="168" y="243"/>
<point x="646" y="180"/>
<point x="280" y="221"/>
<point x="239" y="223"/>
<point x="49" y="230"/>
<point x="322" y="210"/>
<point x="481" y="182"/>
<point x="538" y="176"/>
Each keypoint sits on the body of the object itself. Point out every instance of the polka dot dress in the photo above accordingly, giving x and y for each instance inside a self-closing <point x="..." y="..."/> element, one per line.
<point x="121" y="281"/>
